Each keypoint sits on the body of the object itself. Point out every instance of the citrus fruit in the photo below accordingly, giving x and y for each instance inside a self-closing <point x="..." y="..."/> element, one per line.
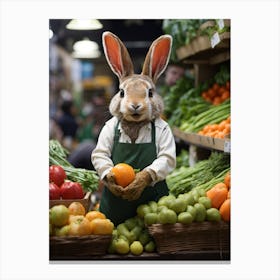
<point x="76" y="208"/>
<point x="93" y="214"/>
<point x="124" y="174"/>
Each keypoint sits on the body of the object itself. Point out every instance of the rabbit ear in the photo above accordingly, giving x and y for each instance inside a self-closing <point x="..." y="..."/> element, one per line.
<point x="157" y="57"/>
<point x="117" y="55"/>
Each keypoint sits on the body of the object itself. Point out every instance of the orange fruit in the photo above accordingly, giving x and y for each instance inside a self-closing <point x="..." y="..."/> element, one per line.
<point x="79" y="226"/>
<point x="101" y="226"/>
<point x="124" y="174"/>
<point x="76" y="208"/>
<point x="225" y="210"/>
<point x="94" y="214"/>
<point x="227" y="180"/>
<point x="217" y="194"/>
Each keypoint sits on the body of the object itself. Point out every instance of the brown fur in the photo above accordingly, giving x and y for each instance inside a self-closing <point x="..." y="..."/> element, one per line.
<point x="132" y="128"/>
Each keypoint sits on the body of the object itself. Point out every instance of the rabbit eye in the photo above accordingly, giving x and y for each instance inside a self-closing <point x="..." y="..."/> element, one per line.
<point x="150" y="93"/>
<point x="121" y="93"/>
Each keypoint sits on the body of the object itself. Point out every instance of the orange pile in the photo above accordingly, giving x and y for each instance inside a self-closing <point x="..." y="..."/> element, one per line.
<point x="217" y="94"/>
<point x="220" y="197"/>
<point x="220" y="130"/>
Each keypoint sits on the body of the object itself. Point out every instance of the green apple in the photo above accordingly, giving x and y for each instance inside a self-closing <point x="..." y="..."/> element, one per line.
<point x="144" y="237"/>
<point x="166" y="200"/>
<point x="140" y="221"/>
<point x="206" y="201"/>
<point x="150" y="246"/>
<point x="135" y="233"/>
<point x="59" y="215"/>
<point x="130" y="223"/>
<point x="191" y="210"/>
<point x="178" y="205"/>
<point x="213" y="215"/>
<point x="201" y="192"/>
<point x="123" y="230"/>
<point x="142" y="210"/>
<point x="185" y="218"/>
<point x="195" y="194"/>
<point x="123" y="237"/>
<point x="188" y="198"/>
<point x="151" y="218"/>
<point x="167" y="216"/>
<point x="200" y="212"/>
<point x="153" y="205"/>
<point x="121" y="246"/>
<point x="161" y="208"/>
<point x="136" y="248"/>
<point x="61" y="231"/>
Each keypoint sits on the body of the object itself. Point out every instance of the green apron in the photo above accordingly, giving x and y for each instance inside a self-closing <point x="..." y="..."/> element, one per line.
<point x="139" y="156"/>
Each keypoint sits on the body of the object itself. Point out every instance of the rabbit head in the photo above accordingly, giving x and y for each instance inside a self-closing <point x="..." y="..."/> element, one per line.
<point x="137" y="99"/>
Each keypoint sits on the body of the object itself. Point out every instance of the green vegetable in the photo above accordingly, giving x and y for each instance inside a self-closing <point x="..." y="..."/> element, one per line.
<point x="215" y="114"/>
<point x="57" y="156"/>
<point x="184" y="179"/>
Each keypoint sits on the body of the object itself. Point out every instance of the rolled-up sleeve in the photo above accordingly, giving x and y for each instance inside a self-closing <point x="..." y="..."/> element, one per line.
<point x="101" y="155"/>
<point x="166" y="157"/>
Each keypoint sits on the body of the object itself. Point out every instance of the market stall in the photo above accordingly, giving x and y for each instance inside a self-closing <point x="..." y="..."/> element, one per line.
<point x="192" y="221"/>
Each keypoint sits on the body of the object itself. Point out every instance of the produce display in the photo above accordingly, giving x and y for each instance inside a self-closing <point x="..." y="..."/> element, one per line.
<point x="58" y="157"/>
<point x="184" y="101"/>
<point x="75" y="221"/>
<point x="131" y="236"/>
<point x="214" y="115"/>
<point x="197" y="205"/>
<point x="182" y="31"/>
<point x="203" y="174"/>
<point x="220" y="130"/>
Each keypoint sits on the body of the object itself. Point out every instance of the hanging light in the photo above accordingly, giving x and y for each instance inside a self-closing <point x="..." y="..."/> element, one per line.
<point x="84" y="24"/>
<point x="91" y="54"/>
<point x="86" y="49"/>
<point x="85" y="45"/>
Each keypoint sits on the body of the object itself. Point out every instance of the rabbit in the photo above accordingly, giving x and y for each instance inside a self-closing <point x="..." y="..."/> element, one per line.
<point x="136" y="106"/>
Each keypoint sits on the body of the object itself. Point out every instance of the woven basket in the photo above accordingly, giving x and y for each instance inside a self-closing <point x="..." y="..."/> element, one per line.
<point x="85" y="201"/>
<point x="204" y="236"/>
<point x="71" y="246"/>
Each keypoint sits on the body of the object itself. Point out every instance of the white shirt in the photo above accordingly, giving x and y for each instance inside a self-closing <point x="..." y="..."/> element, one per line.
<point x="165" y="146"/>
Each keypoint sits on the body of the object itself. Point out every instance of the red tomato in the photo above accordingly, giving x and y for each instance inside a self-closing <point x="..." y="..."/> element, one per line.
<point x="71" y="190"/>
<point x="54" y="191"/>
<point x="57" y="174"/>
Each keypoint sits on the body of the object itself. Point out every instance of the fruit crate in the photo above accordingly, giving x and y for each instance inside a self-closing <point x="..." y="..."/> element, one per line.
<point x="69" y="247"/>
<point x="197" y="236"/>
<point x="85" y="201"/>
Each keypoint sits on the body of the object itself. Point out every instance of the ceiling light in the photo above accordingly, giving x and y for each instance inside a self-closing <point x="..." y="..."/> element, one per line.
<point x="84" y="24"/>
<point x="85" y="45"/>
<point x="91" y="54"/>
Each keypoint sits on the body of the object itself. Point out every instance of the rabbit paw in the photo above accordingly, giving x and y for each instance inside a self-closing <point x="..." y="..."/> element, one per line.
<point x="134" y="190"/>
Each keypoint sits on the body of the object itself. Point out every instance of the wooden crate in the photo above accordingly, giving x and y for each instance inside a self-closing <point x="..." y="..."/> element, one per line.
<point x="198" y="236"/>
<point x="85" y="201"/>
<point x="78" y="246"/>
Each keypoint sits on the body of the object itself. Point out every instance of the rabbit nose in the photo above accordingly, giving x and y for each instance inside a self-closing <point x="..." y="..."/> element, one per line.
<point x="135" y="107"/>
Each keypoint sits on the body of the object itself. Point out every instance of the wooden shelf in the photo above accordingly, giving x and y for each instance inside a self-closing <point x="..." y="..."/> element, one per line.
<point x="200" y="51"/>
<point x="188" y="255"/>
<point x="203" y="141"/>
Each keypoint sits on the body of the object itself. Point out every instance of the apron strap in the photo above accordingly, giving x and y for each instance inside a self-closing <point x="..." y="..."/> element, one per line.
<point x="153" y="133"/>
